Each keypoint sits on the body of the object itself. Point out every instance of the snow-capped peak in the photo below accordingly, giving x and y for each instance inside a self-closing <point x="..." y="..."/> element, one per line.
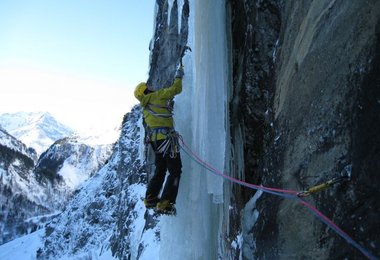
<point x="36" y="129"/>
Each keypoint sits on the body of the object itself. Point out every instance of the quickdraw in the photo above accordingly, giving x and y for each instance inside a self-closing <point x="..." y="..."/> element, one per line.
<point x="345" y="176"/>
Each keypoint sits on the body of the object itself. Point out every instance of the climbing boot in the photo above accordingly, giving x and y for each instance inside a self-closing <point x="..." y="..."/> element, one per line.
<point x="150" y="201"/>
<point x="166" y="207"/>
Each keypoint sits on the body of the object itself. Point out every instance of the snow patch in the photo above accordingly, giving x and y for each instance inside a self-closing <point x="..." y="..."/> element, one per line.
<point x="22" y="248"/>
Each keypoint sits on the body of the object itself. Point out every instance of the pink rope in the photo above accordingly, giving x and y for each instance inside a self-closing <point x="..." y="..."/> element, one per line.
<point x="293" y="192"/>
<point x="284" y="193"/>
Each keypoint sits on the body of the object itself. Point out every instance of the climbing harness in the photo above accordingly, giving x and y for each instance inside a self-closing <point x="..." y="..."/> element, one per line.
<point x="289" y="194"/>
<point x="171" y="145"/>
<point x="322" y="186"/>
<point x="152" y="133"/>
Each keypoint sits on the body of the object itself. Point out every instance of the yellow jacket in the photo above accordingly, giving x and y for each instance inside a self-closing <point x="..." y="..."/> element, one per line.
<point x="155" y="113"/>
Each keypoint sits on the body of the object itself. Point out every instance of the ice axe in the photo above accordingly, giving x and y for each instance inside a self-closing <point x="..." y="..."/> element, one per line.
<point x="186" y="48"/>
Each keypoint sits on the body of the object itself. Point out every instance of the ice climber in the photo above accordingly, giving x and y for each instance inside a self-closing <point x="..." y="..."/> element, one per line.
<point x="160" y="134"/>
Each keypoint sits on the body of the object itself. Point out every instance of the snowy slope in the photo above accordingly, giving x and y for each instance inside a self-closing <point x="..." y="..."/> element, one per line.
<point x="21" y="195"/>
<point x="35" y="129"/>
<point x="11" y="142"/>
<point x="93" y="223"/>
<point x="16" y="167"/>
<point x="30" y="189"/>
<point x="22" y="248"/>
<point x="26" y="247"/>
<point x="72" y="161"/>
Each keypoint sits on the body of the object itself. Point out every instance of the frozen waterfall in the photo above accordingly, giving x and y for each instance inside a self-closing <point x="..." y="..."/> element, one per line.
<point x="201" y="115"/>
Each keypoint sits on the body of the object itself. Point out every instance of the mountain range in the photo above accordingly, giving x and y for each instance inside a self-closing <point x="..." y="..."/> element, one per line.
<point x="35" y="129"/>
<point x="35" y="186"/>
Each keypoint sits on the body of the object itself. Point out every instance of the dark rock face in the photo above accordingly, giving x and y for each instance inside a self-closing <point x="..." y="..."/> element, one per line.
<point x="255" y="31"/>
<point x="168" y="43"/>
<point x="306" y="82"/>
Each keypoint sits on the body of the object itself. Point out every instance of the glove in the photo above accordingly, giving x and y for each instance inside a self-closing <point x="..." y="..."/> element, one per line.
<point x="180" y="72"/>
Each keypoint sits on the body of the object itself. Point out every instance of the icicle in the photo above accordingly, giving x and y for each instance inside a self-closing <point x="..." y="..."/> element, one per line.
<point x="201" y="118"/>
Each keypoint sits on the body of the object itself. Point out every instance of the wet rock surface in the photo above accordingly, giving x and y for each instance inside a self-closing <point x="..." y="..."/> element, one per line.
<point x="305" y="76"/>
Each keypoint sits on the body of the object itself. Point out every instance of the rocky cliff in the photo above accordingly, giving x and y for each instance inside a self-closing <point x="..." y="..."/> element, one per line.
<point x="306" y="86"/>
<point x="168" y="43"/>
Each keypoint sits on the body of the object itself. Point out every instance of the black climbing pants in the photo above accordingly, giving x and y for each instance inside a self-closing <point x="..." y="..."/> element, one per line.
<point x="165" y="163"/>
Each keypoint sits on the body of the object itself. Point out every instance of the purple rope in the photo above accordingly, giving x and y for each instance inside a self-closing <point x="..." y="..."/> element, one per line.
<point x="289" y="194"/>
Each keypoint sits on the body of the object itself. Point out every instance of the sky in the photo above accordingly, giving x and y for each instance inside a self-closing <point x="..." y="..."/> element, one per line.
<point x="80" y="60"/>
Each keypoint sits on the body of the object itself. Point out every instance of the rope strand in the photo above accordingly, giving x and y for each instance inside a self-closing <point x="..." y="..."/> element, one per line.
<point x="288" y="194"/>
